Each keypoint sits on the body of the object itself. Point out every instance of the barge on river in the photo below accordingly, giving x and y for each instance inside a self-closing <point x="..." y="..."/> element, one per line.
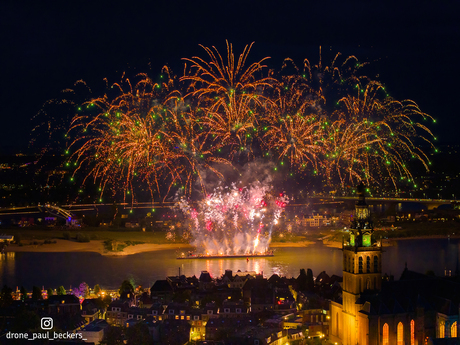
<point x="224" y="256"/>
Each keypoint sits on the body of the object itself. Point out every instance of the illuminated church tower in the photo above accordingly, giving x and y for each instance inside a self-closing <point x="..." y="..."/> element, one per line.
<point x="362" y="273"/>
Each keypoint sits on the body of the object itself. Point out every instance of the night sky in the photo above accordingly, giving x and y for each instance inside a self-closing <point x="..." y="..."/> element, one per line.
<point x="47" y="46"/>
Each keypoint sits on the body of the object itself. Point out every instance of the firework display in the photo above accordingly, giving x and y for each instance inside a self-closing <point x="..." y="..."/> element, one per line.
<point x="318" y="120"/>
<point x="234" y="221"/>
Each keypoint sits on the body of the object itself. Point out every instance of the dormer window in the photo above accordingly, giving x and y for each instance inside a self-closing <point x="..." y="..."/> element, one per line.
<point x="210" y="312"/>
<point x="196" y="317"/>
<point x="171" y="311"/>
<point x="154" y="312"/>
<point x="238" y="310"/>
<point x="226" y="310"/>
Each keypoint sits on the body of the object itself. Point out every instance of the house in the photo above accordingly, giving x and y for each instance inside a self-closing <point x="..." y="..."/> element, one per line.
<point x="205" y="281"/>
<point x="156" y="311"/>
<point x="90" y="310"/>
<point x="63" y="305"/>
<point x="161" y="291"/>
<point x="117" y="313"/>
<point x="136" y="314"/>
<point x="259" y="293"/>
<point x="231" y="309"/>
<point x="94" y="331"/>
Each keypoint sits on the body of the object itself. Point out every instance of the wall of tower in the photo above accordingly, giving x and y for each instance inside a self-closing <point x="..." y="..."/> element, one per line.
<point x="362" y="270"/>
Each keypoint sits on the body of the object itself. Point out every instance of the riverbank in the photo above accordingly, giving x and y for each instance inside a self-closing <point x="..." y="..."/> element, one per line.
<point x="97" y="246"/>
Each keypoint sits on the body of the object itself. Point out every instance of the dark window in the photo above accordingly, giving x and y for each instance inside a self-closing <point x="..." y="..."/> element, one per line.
<point x="376" y="264"/>
<point x="360" y="265"/>
<point x="368" y="264"/>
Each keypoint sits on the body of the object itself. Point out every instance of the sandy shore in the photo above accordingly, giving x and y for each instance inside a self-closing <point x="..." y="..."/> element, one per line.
<point x="291" y="244"/>
<point x="92" y="246"/>
<point x="98" y="247"/>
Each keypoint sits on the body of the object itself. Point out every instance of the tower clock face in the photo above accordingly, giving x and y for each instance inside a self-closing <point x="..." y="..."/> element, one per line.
<point x="362" y="213"/>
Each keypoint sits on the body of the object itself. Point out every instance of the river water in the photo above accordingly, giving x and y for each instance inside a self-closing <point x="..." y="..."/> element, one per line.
<point x="70" y="269"/>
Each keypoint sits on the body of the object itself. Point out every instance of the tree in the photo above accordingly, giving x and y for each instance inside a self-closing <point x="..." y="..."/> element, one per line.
<point x="126" y="286"/>
<point x="107" y="300"/>
<point x="60" y="291"/>
<point x="49" y="292"/>
<point x="6" y="297"/>
<point x="25" y="320"/>
<point x="36" y="293"/>
<point x="23" y="292"/>
<point x="138" y="334"/>
<point x="84" y="290"/>
<point x="97" y="290"/>
<point x="113" y="336"/>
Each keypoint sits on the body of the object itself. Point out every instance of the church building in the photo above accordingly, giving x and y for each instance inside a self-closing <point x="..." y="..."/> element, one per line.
<point x="417" y="309"/>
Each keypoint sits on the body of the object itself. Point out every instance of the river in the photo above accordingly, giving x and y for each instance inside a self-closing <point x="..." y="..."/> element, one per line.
<point x="70" y="269"/>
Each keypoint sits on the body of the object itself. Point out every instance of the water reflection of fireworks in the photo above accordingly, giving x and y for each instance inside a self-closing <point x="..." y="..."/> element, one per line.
<point x="234" y="220"/>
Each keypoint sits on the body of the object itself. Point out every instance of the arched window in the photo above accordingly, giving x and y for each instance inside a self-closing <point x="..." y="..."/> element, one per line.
<point x="368" y="265"/>
<point x="376" y="264"/>
<point x="442" y="329"/>
<point x="453" y="330"/>
<point x="360" y="264"/>
<point x="412" y="332"/>
<point x="368" y="284"/>
<point x="386" y="334"/>
<point x="352" y="265"/>
<point x="400" y="334"/>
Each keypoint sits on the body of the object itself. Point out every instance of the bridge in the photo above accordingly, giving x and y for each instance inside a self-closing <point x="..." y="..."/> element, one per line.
<point x="430" y="204"/>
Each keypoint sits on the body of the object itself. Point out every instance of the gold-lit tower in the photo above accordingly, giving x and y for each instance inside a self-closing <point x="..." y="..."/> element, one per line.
<point x="362" y="273"/>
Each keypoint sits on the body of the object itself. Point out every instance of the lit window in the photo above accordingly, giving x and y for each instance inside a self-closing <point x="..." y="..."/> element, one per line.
<point x="400" y="334"/>
<point x="442" y="329"/>
<point x="386" y="333"/>
<point x="453" y="330"/>
<point x="412" y="332"/>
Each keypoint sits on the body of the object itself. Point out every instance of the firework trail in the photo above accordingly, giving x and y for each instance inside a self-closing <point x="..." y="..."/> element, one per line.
<point x="326" y="120"/>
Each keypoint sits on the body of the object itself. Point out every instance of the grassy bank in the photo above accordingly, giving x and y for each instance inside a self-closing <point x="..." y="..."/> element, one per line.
<point x="104" y="234"/>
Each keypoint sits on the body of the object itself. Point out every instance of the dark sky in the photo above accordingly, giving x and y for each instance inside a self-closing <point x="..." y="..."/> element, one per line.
<point x="46" y="46"/>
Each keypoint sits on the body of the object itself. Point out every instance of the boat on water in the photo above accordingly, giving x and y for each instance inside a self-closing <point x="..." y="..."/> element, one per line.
<point x="223" y="256"/>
